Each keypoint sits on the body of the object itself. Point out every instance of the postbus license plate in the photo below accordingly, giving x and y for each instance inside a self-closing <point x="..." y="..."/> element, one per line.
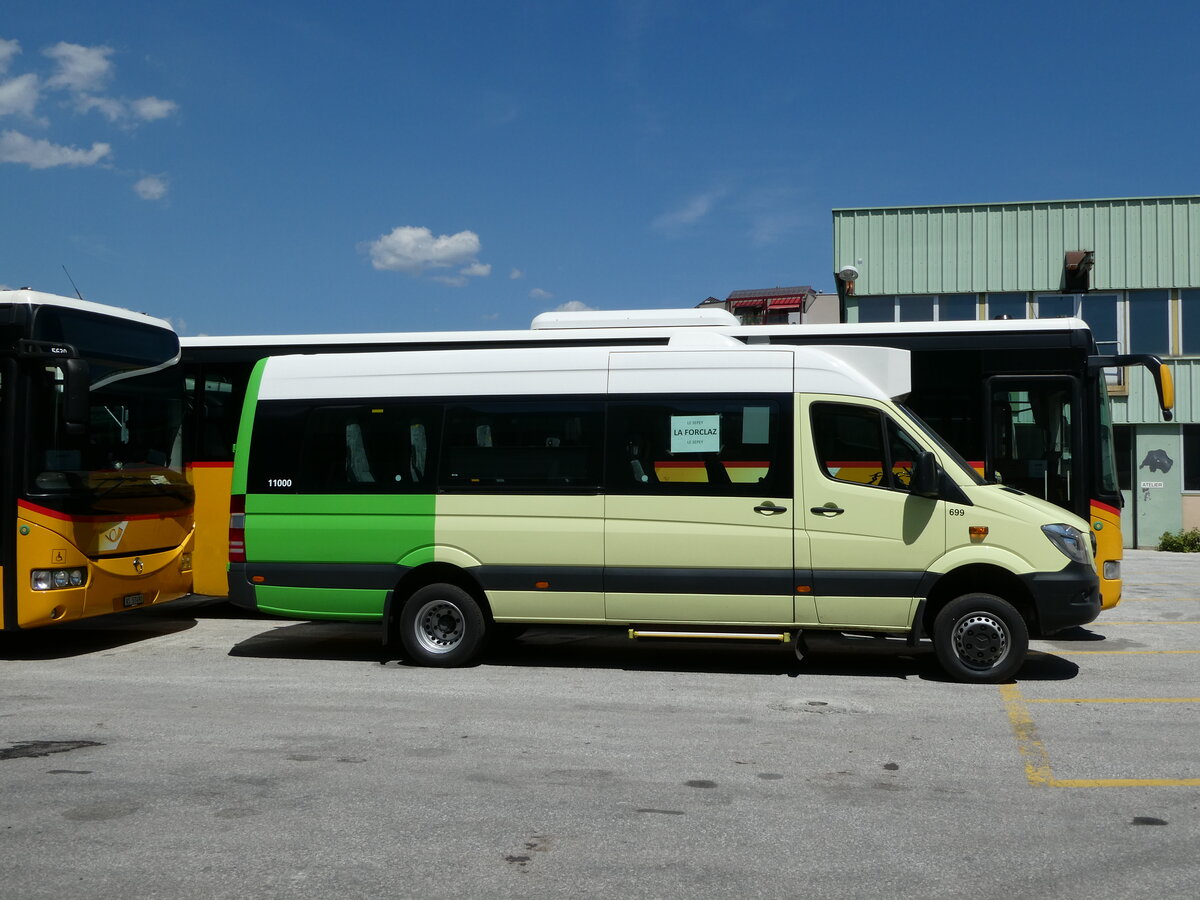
<point x="132" y="600"/>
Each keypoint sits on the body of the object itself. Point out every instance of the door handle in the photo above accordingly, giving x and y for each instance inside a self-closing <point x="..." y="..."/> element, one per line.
<point x="827" y="510"/>
<point x="770" y="509"/>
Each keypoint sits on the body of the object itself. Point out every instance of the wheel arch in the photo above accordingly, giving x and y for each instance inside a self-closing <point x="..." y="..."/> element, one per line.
<point x="421" y="576"/>
<point x="983" y="579"/>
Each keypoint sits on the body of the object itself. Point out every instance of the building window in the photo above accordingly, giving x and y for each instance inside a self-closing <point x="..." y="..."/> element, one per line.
<point x="1149" y="323"/>
<point x="957" y="308"/>
<point x="876" y="309"/>
<point x="1100" y="312"/>
<point x="1191" y="457"/>
<point x="917" y="308"/>
<point x="1006" y="306"/>
<point x="1057" y="306"/>
<point x="1189" y="302"/>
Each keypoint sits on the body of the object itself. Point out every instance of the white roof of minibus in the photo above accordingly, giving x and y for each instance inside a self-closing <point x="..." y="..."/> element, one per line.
<point x="651" y="325"/>
<point x="25" y="296"/>
<point x="690" y="365"/>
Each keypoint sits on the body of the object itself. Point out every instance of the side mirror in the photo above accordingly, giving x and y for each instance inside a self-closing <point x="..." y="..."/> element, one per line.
<point x="926" y="476"/>
<point x="76" y="402"/>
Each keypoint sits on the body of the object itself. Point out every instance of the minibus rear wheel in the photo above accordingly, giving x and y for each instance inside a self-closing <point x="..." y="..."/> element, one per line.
<point x="980" y="638"/>
<point x="441" y="625"/>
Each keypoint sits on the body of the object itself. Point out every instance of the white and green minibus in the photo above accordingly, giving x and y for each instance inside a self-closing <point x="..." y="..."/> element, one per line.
<point x="702" y="489"/>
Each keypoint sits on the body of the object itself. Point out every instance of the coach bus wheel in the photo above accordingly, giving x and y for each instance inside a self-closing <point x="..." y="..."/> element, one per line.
<point x="980" y="638"/>
<point x="441" y="625"/>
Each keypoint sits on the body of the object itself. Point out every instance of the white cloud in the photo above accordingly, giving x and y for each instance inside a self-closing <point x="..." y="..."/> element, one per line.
<point x="81" y="69"/>
<point x="152" y="187"/>
<point x="8" y="49"/>
<point x="689" y="213"/>
<point x="515" y="274"/>
<point x="150" y="109"/>
<point x="19" y="95"/>
<point x="413" y="249"/>
<point x="110" y="107"/>
<point x="539" y="294"/>
<point x="37" y="154"/>
<point x="477" y="270"/>
<point x="574" y="306"/>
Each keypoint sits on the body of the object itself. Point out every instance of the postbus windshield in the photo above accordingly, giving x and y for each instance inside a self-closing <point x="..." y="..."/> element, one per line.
<point x="130" y="458"/>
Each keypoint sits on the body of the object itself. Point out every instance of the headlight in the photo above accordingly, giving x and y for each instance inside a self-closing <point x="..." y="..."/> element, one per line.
<point x="1069" y="540"/>
<point x="56" y="579"/>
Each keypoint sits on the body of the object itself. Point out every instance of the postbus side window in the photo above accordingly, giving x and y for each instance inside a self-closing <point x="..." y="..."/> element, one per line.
<point x="699" y="446"/>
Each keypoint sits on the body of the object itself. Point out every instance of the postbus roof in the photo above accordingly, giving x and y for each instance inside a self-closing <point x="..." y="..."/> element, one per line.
<point x="27" y="297"/>
<point x="631" y="330"/>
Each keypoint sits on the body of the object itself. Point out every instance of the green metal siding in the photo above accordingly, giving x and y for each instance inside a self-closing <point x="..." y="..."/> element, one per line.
<point x="1149" y="242"/>
<point x="1141" y="406"/>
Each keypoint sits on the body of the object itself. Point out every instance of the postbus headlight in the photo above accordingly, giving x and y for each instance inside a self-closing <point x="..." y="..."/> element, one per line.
<point x="1069" y="540"/>
<point x="56" y="579"/>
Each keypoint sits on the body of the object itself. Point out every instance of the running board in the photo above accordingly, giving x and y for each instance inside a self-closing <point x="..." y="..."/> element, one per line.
<point x="780" y="637"/>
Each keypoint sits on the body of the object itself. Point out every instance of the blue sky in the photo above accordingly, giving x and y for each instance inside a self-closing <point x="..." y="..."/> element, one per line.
<point x="242" y="167"/>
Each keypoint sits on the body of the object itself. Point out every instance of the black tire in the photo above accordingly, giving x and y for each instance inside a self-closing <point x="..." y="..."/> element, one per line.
<point x="980" y="638"/>
<point x="442" y="625"/>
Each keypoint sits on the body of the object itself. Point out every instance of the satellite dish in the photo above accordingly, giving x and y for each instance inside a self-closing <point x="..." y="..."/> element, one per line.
<point x="848" y="273"/>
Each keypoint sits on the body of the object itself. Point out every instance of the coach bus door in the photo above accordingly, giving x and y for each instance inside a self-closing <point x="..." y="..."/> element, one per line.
<point x="1034" y="442"/>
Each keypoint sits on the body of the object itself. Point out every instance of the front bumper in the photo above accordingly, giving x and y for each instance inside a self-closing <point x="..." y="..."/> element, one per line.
<point x="1065" y="598"/>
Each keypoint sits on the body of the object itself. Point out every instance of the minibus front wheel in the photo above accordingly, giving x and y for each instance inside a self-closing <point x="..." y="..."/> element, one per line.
<point x="980" y="638"/>
<point x="441" y="625"/>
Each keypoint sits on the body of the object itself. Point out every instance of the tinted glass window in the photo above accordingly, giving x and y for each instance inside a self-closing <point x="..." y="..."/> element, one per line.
<point x="957" y="307"/>
<point x="1191" y="457"/>
<point x="1148" y="322"/>
<point x="1100" y="312"/>
<point x="702" y="446"/>
<point x="352" y="449"/>
<point x="876" y="309"/>
<point x="1010" y="306"/>
<point x="532" y="445"/>
<point x="916" y="309"/>
<point x="1056" y="306"/>
<point x="849" y="443"/>
<point x="1190" y="326"/>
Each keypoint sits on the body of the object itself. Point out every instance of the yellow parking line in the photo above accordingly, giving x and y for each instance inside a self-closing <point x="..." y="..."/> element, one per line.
<point x="1037" y="761"/>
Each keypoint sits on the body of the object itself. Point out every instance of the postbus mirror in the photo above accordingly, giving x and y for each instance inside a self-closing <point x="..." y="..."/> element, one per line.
<point x="76" y="402"/>
<point x="925" y="476"/>
<point x="1164" y="382"/>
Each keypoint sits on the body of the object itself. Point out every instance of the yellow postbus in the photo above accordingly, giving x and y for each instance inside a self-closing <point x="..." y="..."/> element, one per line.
<point x="1025" y="401"/>
<point x="95" y="509"/>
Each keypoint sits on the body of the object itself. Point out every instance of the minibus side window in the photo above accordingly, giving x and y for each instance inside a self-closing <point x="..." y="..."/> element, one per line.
<point x="698" y="446"/>
<point x="366" y="448"/>
<point x="850" y="445"/>
<point x="902" y="453"/>
<point x="523" y="445"/>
